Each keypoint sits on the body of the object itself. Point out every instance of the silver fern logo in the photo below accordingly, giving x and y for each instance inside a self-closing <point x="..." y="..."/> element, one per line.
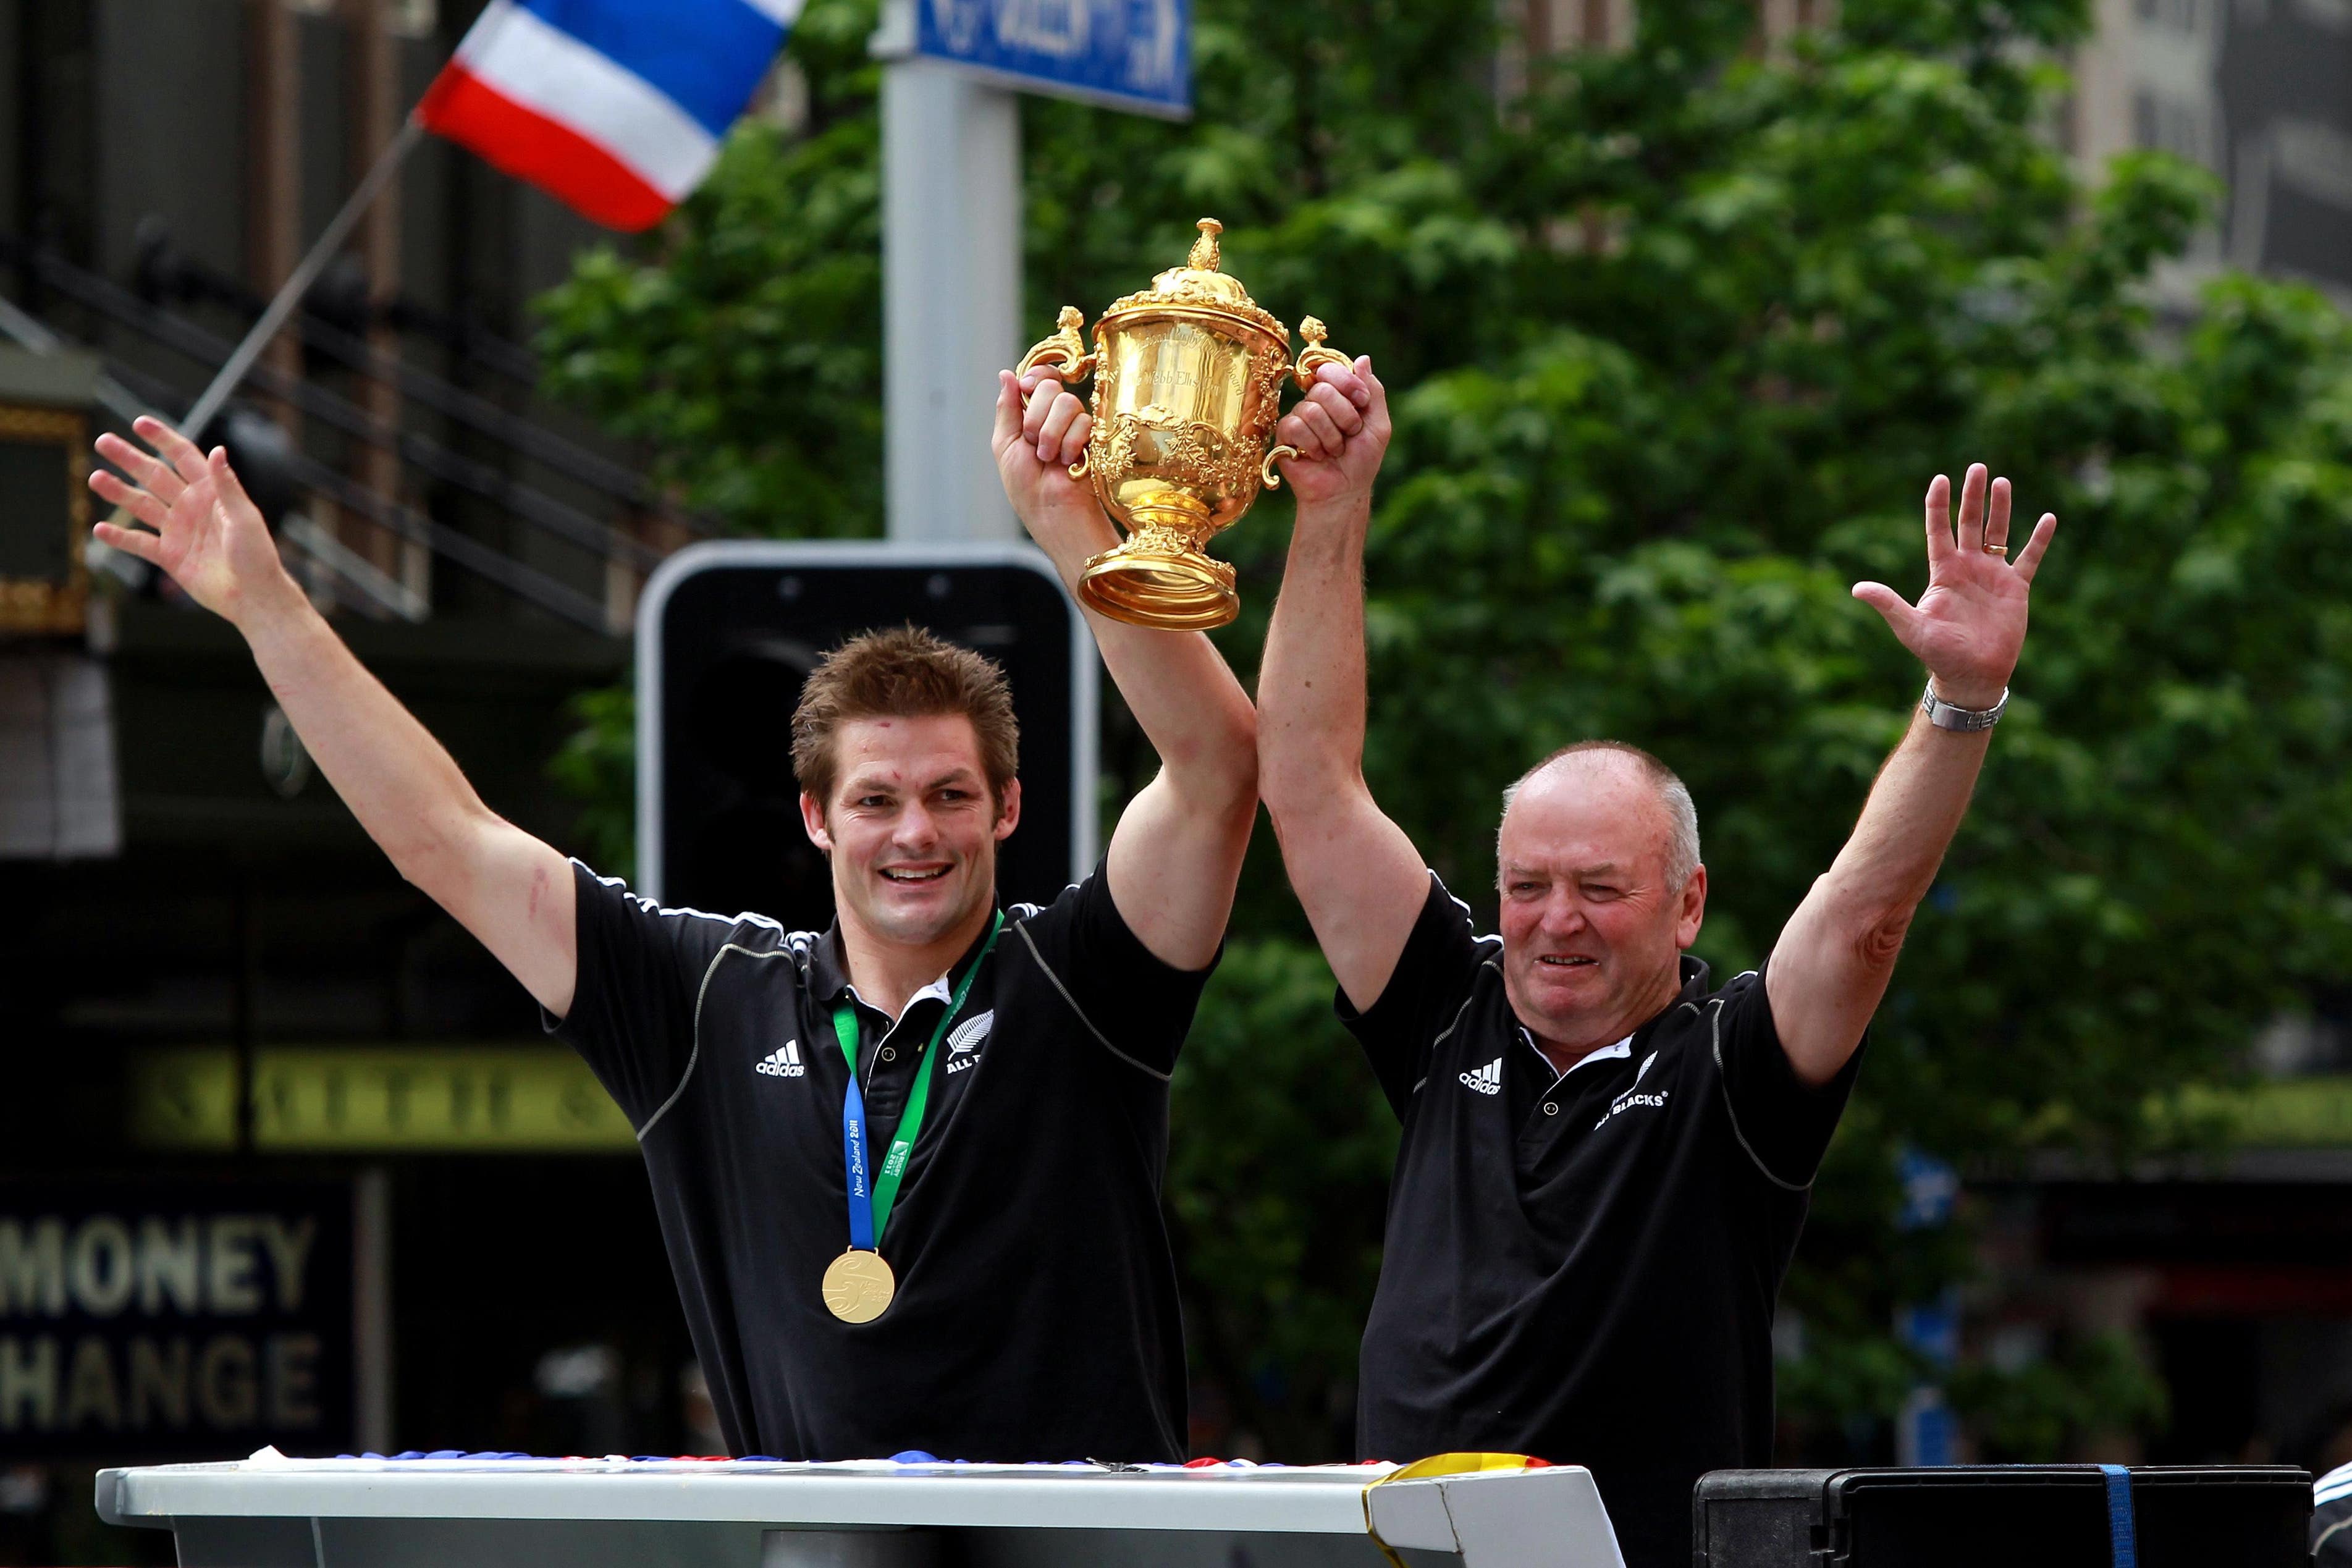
<point x="965" y="1040"/>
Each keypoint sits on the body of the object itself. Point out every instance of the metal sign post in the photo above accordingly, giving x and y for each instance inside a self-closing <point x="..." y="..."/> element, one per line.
<point x="951" y="218"/>
<point x="951" y="293"/>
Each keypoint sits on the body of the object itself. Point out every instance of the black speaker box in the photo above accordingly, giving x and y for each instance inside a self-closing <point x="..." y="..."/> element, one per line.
<point x="2011" y="1516"/>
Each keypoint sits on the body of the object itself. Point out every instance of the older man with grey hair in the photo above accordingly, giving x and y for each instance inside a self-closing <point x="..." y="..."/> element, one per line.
<point x="1605" y="1159"/>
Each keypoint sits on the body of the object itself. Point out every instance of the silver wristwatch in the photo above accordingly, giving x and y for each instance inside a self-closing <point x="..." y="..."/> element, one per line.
<point x="1944" y="716"/>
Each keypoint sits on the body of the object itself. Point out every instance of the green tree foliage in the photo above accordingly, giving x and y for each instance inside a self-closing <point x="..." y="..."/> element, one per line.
<point x="1678" y="334"/>
<point x="748" y="359"/>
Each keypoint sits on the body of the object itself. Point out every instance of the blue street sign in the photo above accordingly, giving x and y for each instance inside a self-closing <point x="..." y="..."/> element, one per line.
<point x="1125" y="53"/>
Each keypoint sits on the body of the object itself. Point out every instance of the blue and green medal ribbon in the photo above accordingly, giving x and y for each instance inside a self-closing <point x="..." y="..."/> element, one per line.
<point x="873" y="1193"/>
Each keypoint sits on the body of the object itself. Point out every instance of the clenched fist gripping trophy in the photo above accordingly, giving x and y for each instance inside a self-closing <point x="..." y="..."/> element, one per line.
<point x="1188" y="378"/>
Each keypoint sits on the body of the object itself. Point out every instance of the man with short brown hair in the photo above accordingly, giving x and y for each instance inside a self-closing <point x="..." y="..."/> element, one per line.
<point x="1605" y="1159"/>
<point x="907" y="1169"/>
<point x="904" y="672"/>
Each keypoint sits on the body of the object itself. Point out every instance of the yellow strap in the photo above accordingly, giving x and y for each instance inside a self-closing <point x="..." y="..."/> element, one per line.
<point x="1436" y="1465"/>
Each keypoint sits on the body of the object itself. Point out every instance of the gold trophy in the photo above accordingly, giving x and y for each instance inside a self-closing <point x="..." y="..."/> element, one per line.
<point x="1188" y="377"/>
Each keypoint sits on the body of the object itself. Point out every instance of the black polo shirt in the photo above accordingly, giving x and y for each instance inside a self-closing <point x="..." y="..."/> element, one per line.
<point x="1036" y="1315"/>
<point x="1582" y="1266"/>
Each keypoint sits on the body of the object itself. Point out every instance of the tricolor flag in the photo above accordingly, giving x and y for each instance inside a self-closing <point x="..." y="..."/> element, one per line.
<point x="614" y="107"/>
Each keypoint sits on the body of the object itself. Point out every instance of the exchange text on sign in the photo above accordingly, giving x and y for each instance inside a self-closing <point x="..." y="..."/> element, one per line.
<point x="206" y="1371"/>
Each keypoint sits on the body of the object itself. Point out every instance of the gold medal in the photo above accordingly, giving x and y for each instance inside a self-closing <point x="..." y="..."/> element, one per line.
<point x="858" y="1286"/>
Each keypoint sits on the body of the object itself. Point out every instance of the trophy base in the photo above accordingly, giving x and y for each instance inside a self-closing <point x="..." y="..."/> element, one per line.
<point x="1159" y="578"/>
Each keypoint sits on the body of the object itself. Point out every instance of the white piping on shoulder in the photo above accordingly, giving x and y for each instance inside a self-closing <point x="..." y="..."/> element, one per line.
<point x="651" y="907"/>
<point x="1104" y="1040"/>
<point x="1444" y="1034"/>
<point x="1723" y="1084"/>
<point x="701" y="990"/>
<point x="1468" y="918"/>
<point x="1487" y="963"/>
<point x="1448" y="1030"/>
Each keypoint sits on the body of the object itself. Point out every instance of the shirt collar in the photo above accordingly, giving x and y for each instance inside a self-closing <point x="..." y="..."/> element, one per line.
<point x="1618" y="1052"/>
<point x="829" y="974"/>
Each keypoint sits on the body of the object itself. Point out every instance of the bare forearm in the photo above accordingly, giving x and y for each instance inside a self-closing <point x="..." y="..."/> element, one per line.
<point x="1834" y="961"/>
<point x="1311" y="684"/>
<point x="1190" y="707"/>
<point x="1177" y="852"/>
<point x="511" y="890"/>
<point x="1183" y="695"/>
<point x="1356" y="873"/>
<point x="1915" y="808"/>
<point x="398" y="781"/>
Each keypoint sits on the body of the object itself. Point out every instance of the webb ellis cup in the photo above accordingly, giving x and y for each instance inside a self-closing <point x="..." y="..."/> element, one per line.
<point x="1188" y="378"/>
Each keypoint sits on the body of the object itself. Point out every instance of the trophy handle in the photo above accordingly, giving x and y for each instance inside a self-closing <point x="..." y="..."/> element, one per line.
<point x="1311" y="358"/>
<point x="1315" y="356"/>
<point x="1066" y="351"/>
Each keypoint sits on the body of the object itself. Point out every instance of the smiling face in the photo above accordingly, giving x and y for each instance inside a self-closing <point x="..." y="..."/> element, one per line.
<point x="911" y="826"/>
<point x="1592" y="930"/>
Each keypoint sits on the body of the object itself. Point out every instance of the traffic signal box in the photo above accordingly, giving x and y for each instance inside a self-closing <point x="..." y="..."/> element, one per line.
<point x="727" y="633"/>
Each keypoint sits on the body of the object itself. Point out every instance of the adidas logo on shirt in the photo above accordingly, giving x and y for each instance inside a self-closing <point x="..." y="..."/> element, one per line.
<point x="1487" y="1079"/>
<point x="783" y="1062"/>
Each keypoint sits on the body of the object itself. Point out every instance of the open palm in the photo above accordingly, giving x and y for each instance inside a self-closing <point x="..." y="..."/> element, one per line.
<point x="208" y="535"/>
<point x="1969" y="627"/>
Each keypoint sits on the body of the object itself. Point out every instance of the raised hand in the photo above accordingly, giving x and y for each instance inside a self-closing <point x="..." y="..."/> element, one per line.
<point x="1969" y="625"/>
<point x="208" y="535"/>
<point x="1041" y="430"/>
<point x="1341" y="431"/>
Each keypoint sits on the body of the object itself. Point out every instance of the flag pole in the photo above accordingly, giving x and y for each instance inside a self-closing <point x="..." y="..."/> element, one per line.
<point x="306" y="273"/>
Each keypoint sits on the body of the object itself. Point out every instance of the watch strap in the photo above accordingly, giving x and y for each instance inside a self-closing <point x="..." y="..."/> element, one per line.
<point x="1944" y="716"/>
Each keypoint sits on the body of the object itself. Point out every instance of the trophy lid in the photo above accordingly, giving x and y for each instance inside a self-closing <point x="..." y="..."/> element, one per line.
<point x="1200" y="284"/>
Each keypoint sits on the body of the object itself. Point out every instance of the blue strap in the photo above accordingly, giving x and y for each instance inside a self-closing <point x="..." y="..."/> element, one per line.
<point x="2122" y="1538"/>
<point x="852" y="1157"/>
